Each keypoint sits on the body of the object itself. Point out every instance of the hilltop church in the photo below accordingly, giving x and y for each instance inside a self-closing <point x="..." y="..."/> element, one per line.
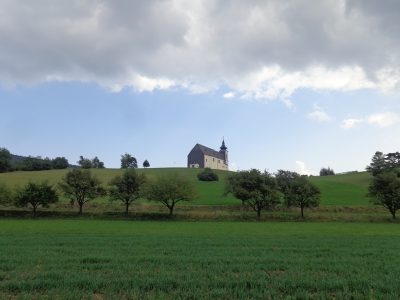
<point x="203" y="157"/>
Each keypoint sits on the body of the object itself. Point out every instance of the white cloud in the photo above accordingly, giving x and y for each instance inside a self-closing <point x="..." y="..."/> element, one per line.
<point x="384" y="119"/>
<point x="229" y="95"/>
<point x="246" y="46"/>
<point x="319" y="115"/>
<point x="301" y="168"/>
<point x="350" y="123"/>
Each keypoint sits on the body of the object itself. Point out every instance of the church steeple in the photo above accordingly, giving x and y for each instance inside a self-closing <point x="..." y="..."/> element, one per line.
<point x="223" y="147"/>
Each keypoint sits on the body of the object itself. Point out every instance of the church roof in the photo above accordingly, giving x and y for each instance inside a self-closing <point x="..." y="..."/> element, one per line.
<point x="208" y="151"/>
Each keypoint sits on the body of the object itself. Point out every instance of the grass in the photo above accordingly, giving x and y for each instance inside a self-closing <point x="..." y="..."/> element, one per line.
<point x="346" y="189"/>
<point x="92" y="259"/>
<point x="338" y="190"/>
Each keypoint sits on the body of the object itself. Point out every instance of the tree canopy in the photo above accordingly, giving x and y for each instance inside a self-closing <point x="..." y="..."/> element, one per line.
<point x="385" y="191"/>
<point x="127" y="188"/>
<point x="326" y="172"/>
<point x="35" y="195"/>
<point x="128" y="161"/>
<point x="146" y="164"/>
<point x="5" y="160"/>
<point x="255" y="189"/>
<point x="170" y="190"/>
<point x="81" y="186"/>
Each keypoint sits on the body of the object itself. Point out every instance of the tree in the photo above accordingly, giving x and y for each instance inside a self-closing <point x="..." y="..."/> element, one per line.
<point x="385" y="191"/>
<point x="97" y="164"/>
<point x="85" y="163"/>
<point x="31" y="163"/>
<point x="127" y="188"/>
<point x="59" y="163"/>
<point x="169" y="191"/>
<point x="255" y="189"/>
<point x="392" y="161"/>
<point x="128" y="161"/>
<point x="304" y="194"/>
<point x="285" y="181"/>
<point x="207" y="175"/>
<point x="377" y="164"/>
<point x="146" y="164"/>
<point x="36" y="195"/>
<point x="326" y="172"/>
<point x="5" y="160"/>
<point x="80" y="186"/>
<point x="5" y="194"/>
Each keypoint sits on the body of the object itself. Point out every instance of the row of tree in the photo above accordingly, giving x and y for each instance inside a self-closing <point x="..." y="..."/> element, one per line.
<point x="260" y="191"/>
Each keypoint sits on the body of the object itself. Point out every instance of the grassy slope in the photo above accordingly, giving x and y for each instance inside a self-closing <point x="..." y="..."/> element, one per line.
<point x="75" y="259"/>
<point x="341" y="190"/>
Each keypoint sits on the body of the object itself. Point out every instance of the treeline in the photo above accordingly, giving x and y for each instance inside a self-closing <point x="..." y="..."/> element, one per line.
<point x="255" y="189"/>
<point x="9" y="162"/>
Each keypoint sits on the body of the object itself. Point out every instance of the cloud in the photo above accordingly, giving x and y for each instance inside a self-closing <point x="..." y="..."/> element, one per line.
<point x="258" y="49"/>
<point x="301" y="168"/>
<point x="350" y="123"/>
<point x="229" y="95"/>
<point x="383" y="119"/>
<point x="319" y="115"/>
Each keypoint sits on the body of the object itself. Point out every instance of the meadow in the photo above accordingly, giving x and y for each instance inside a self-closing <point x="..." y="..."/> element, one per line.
<point x="98" y="259"/>
<point x="338" y="190"/>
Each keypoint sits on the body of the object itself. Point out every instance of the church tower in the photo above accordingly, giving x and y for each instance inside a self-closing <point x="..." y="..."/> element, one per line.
<point x="224" y="150"/>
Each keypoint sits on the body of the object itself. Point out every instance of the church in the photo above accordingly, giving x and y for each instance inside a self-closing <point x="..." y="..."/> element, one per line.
<point x="203" y="157"/>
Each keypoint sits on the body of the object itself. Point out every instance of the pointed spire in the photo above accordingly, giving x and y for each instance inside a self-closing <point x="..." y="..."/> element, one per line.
<point x="223" y="147"/>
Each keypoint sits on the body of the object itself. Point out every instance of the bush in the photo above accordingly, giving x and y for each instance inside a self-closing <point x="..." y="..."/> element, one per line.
<point x="207" y="175"/>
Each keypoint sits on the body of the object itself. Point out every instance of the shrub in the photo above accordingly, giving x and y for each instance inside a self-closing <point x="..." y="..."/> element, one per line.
<point x="207" y="175"/>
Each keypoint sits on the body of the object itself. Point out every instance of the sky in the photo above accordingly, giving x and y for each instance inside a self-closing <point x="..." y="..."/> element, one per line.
<point x="296" y="85"/>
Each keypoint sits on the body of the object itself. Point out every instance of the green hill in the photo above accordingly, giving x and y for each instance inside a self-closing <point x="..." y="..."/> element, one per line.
<point x="340" y="190"/>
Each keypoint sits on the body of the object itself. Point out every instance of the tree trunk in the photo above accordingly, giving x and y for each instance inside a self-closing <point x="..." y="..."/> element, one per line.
<point x="393" y="214"/>
<point x="127" y="208"/>
<point x="171" y="210"/>
<point x="80" y="208"/>
<point x="34" y="211"/>
<point x="302" y="211"/>
<point x="258" y="214"/>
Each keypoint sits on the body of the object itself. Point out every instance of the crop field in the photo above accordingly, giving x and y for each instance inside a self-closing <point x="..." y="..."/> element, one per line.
<point x="92" y="259"/>
<point x="338" y="190"/>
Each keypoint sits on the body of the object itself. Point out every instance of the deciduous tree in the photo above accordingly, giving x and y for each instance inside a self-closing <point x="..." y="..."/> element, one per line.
<point x="304" y="194"/>
<point x="5" y="160"/>
<point x="35" y="195"/>
<point x="5" y="194"/>
<point x="378" y="164"/>
<point x="127" y="188"/>
<point x="285" y="180"/>
<point x="326" y="172"/>
<point x="169" y="191"/>
<point x="255" y="189"/>
<point x="385" y="191"/>
<point x="128" y="161"/>
<point x="146" y="164"/>
<point x="59" y="163"/>
<point x="81" y="186"/>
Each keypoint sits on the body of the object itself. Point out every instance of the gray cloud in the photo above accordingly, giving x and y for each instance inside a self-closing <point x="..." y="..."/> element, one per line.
<point x="264" y="49"/>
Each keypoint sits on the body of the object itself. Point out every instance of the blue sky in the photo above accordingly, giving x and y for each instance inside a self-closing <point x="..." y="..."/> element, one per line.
<point x="286" y="87"/>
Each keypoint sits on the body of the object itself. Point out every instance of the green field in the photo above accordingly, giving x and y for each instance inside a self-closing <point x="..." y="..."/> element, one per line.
<point x="87" y="259"/>
<point x="339" y="190"/>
